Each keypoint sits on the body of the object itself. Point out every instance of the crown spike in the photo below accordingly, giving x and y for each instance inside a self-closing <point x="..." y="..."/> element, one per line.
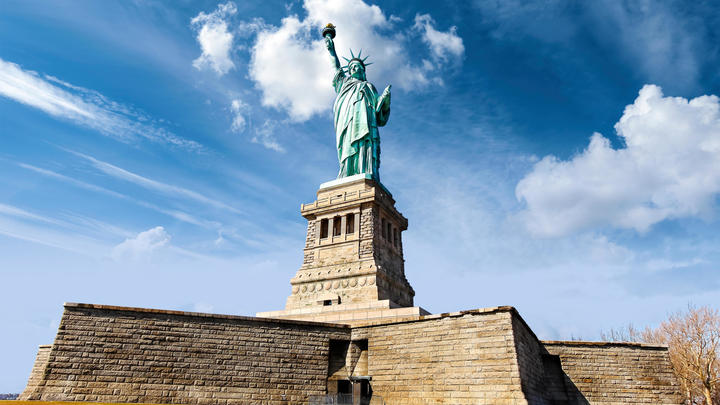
<point x="359" y="53"/>
<point x="346" y="59"/>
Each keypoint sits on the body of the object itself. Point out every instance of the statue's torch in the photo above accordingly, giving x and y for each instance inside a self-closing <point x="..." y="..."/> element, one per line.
<point x="329" y="31"/>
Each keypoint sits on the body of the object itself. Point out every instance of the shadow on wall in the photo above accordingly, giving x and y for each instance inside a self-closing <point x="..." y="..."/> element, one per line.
<point x="560" y="390"/>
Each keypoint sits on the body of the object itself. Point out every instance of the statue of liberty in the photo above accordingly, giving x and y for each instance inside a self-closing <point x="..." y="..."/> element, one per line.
<point x="358" y="113"/>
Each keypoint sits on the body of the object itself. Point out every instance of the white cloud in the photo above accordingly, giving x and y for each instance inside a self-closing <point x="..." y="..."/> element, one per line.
<point x="203" y="307"/>
<point x="83" y="106"/>
<point x="142" y="245"/>
<point x="472" y="228"/>
<point x="443" y="45"/>
<point x="215" y="40"/>
<point x="668" y="169"/>
<point x="265" y="136"/>
<point x="239" y="109"/>
<point x="294" y="71"/>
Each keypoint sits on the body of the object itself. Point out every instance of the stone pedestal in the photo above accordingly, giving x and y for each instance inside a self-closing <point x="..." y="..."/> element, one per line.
<point x="353" y="257"/>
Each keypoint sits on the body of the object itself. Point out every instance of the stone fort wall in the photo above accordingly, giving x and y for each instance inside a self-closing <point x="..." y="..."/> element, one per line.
<point x="616" y="373"/>
<point x="465" y="357"/>
<point x="115" y="354"/>
<point x="38" y="370"/>
<point x="491" y="356"/>
<point x="486" y="356"/>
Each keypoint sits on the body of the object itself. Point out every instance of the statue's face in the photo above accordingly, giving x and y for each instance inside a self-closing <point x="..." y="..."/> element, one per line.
<point x="357" y="71"/>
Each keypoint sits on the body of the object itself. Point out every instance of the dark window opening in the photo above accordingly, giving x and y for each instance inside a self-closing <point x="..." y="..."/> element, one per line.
<point x="327" y="303"/>
<point x="337" y="226"/>
<point x="323" y="229"/>
<point x="395" y="237"/>
<point x="344" y="387"/>
<point x="350" y="223"/>
<point x="389" y="232"/>
<point x="382" y="227"/>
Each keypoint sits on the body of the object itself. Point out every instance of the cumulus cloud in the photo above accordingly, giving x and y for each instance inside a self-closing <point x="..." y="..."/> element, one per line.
<point x="293" y="70"/>
<point x="83" y="106"/>
<point x="214" y="38"/>
<point x="142" y="245"/>
<point x="443" y="45"/>
<point x="667" y="169"/>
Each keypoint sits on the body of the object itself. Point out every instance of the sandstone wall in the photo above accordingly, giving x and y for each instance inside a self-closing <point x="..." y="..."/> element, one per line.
<point x="530" y="361"/>
<point x="38" y="370"/>
<point x="491" y="356"/>
<point x="114" y="354"/>
<point x="616" y="373"/>
<point x="460" y="358"/>
<point x="488" y="356"/>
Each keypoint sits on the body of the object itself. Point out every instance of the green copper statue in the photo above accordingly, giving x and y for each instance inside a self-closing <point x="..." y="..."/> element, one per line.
<point x="358" y="114"/>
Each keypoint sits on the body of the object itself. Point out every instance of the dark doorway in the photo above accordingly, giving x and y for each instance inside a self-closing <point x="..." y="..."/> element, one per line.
<point x="344" y="387"/>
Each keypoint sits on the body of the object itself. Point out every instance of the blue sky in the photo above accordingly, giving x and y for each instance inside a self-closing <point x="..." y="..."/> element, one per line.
<point x="560" y="157"/>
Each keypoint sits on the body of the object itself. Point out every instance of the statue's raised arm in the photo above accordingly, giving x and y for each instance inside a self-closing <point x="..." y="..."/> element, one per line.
<point x="358" y="111"/>
<point x="329" y="34"/>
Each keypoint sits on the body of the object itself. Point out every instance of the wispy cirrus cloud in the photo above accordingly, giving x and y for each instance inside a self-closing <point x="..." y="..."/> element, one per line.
<point x="265" y="136"/>
<point x="9" y="210"/>
<point x="67" y="221"/>
<point x="239" y="109"/>
<point x="84" y="107"/>
<point x="154" y="185"/>
<point x="664" y="41"/>
<point x="234" y="228"/>
<point x="176" y="214"/>
<point x="32" y="227"/>
<point x="88" y="237"/>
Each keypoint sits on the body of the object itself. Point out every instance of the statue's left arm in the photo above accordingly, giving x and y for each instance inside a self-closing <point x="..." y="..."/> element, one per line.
<point x="382" y="112"/>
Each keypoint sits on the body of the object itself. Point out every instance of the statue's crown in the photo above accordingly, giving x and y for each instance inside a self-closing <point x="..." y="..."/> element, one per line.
<point x="357" y="59"/>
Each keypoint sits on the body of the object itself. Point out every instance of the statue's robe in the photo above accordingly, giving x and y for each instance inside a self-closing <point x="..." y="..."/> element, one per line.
<point x="357" y="118"/>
